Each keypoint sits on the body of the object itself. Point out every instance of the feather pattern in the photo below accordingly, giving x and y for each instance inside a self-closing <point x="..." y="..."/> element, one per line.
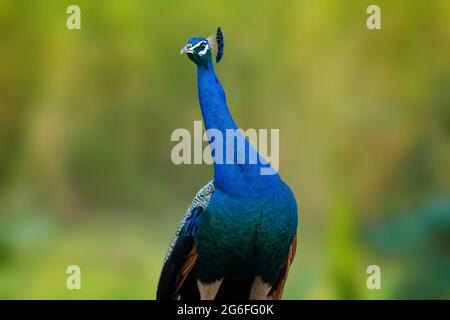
<point x="216" y="43"/>
<point x="201" y="200"/>
<point x="182" y="254"/>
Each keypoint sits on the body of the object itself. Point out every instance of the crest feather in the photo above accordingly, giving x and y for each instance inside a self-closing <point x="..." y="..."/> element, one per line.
<point x="216" y="44"/>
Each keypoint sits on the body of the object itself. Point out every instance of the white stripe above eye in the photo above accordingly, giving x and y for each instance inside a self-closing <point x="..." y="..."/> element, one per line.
<point x="198" y="44"/>
<point x="201" y="53"/>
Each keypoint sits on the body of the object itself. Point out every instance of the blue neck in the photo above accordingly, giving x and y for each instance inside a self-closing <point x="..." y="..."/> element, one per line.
<point x="212" y="100"/>
<point x="232" y="177"/>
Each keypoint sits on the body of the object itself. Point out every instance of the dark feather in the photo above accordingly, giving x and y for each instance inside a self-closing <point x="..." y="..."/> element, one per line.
<point x="221" y="44"/>
<point x="277" y="290"/>
<point x="176" y="281"/>
<point x="235" y="287"/>
<point x="180" y="261"/>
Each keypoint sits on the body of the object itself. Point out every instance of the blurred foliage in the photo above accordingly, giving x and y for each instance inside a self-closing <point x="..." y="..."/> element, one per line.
<point x="86" y="118"/>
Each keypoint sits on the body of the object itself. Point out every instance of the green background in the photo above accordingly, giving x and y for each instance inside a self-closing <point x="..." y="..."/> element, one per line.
<point x="86" y="117"/>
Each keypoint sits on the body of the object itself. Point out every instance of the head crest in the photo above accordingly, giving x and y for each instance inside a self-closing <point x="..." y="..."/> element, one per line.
<point x="216" y="44"/>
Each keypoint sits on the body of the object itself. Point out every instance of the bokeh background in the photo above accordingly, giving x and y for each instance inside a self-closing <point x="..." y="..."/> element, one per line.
<point x="86" y="117"/>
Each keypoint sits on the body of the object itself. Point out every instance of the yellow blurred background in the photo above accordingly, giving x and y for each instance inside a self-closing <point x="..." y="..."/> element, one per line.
<point x="86" y="117"/>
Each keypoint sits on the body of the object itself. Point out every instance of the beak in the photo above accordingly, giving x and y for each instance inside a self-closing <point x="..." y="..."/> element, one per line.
<point x="186" y="50"/>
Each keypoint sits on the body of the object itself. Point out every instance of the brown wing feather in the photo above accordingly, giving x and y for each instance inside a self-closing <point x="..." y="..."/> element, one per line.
<point x="185" y="270"/>
<point x="277" y="291"/>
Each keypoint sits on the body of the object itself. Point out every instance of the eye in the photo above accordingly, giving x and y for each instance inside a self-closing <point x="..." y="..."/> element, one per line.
<point x="201" y="48"/>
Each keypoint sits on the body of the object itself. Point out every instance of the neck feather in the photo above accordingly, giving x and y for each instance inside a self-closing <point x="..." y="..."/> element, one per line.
<point x="228" y="176"/>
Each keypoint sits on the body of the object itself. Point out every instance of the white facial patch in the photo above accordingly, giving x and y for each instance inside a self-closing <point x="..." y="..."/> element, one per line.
<point x="205" y="50"/>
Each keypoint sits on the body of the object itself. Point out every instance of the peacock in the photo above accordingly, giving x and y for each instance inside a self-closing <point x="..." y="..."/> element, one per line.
<point x="238" y="237"/>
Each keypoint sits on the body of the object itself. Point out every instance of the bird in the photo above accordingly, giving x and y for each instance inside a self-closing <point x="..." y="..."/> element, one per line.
<point x="238" y="238"/>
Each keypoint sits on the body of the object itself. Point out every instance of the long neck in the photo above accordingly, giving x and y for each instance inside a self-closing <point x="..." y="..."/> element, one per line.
<point x="228" y="175"/>
<point x="212" y="100"/>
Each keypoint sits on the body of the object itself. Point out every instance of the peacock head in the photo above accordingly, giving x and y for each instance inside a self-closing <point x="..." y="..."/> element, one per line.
<point x="200" y="50"/>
